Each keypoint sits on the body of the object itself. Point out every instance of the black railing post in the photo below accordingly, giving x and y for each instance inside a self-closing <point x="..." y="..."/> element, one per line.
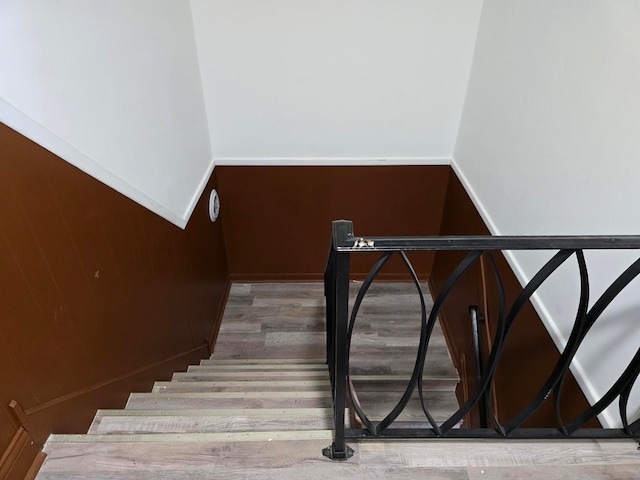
<point x="329" y="293"/>
<point x="338" y="450"/>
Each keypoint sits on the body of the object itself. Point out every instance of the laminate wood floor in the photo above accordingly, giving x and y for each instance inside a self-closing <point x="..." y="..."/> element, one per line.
<point x="260" y="408"/>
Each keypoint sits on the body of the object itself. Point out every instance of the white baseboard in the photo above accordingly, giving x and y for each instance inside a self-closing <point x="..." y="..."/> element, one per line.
<point x="329" y="161"/>
<point x="25" y="125"/>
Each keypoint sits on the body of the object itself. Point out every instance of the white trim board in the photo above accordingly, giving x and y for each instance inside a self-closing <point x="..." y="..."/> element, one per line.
<point x="25" y="125"/>
<point x="329" y="161"/>
<point x="197" y="194"/>
<point x="585" y="384"/>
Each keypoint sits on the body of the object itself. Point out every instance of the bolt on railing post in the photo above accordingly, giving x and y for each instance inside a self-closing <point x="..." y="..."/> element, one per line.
<point x="338" y="450"/>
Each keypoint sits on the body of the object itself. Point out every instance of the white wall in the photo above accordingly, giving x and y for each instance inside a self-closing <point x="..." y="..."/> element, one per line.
<point x="549" y="143"/>
<point x="114" y="88"/>
<point x="335" y="81"/>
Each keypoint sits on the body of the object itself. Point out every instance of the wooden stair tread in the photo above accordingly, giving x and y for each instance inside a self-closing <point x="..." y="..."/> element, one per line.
<point x="263" y="412"/>
<point x="277" y="375"/>
<point x="199" y="400"/>
<point x="267" y="367"/>
<point x="209" y="423"/>
<point x="193" y="437"/>
<point x="243" y="386"/>
<point x="262" y="361"/>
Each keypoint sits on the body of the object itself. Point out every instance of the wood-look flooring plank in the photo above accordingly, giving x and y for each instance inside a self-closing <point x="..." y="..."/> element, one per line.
<point x="173" y="438"/>
<point x="205" y="401"/>
<point x="210" y="423"/>
<point x="474" y="453"/>
<point x="259" y="413"/>
<point x="261" y="361"/>
<point x="257" y="367"/>
<point x="239" y="375"/>
<point x="319" y="385"/>
<point x="557" y="472"/>
<point x="346" y="470"/>
<point x="293" y="460"/>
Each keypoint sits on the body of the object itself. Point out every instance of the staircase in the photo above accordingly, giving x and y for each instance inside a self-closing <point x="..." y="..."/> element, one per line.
<point x="261" y="408"/>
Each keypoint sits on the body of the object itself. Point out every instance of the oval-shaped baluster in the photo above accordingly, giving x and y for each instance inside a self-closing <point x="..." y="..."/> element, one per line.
<point x="470" y="259"/>
<point x="624" y="402"/>
<point x="629" y="375"/>
<point x="425" y="333"/>
<point x="502" y="332"/>
<point x="563" y="363"/>
<point x="384" y="258"/>
<point x="627" y="378"/>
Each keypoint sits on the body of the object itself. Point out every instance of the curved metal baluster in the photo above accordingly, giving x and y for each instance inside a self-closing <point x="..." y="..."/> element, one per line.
<point x="598" y="308"/>
<point x="384" y="258"/>
<point x="634" y="428"/>
<point x="611" y="293"/>
<point x="453" y="279"/>
<point x="624" y="402"/>
<point x="496" y="351"/>
<point x="566" y="357"/>
<point x="502" y="309"/>
<point x="557" y="390"/>
<point x="423" y="325"/>
<point x="628" y="376"/>
<point x="425" y="334"/>
<point x="605" y="299"/>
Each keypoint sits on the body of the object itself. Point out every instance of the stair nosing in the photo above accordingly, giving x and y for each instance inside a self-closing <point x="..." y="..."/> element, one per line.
<point x="248" y="383"/>
<point x="210" y="412"/>
<point x="303" y="394"/>
<point x="191" y="437"/>
<point x="305" y="373"/>
<point x="262" y="361"/>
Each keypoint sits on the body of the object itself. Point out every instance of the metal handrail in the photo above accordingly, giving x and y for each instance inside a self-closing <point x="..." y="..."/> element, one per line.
<point x="340" y="325"/>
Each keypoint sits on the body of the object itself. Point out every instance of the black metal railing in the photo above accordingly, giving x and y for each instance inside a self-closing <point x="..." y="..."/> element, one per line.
<point x="340" y="325"/>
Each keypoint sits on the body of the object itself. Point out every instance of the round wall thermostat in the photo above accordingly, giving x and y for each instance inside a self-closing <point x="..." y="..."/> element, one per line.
<point x="214" y="206"/>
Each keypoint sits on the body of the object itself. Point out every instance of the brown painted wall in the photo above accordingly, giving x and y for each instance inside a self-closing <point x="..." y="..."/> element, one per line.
<point x="98" y="296"/>
<point x="529" y="353"/>
<point x="277" y="220"/>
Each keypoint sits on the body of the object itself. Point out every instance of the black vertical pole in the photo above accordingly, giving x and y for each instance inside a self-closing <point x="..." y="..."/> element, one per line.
<point x="338" y="450"/>
<point x="329" y="293"/>
<point x="475" y="332"/>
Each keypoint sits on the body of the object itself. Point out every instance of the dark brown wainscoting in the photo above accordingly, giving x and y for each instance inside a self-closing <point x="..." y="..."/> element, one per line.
<point x="277" y="220"/>
<point x="99" y="296"/>
<point x="529" y="353"/>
